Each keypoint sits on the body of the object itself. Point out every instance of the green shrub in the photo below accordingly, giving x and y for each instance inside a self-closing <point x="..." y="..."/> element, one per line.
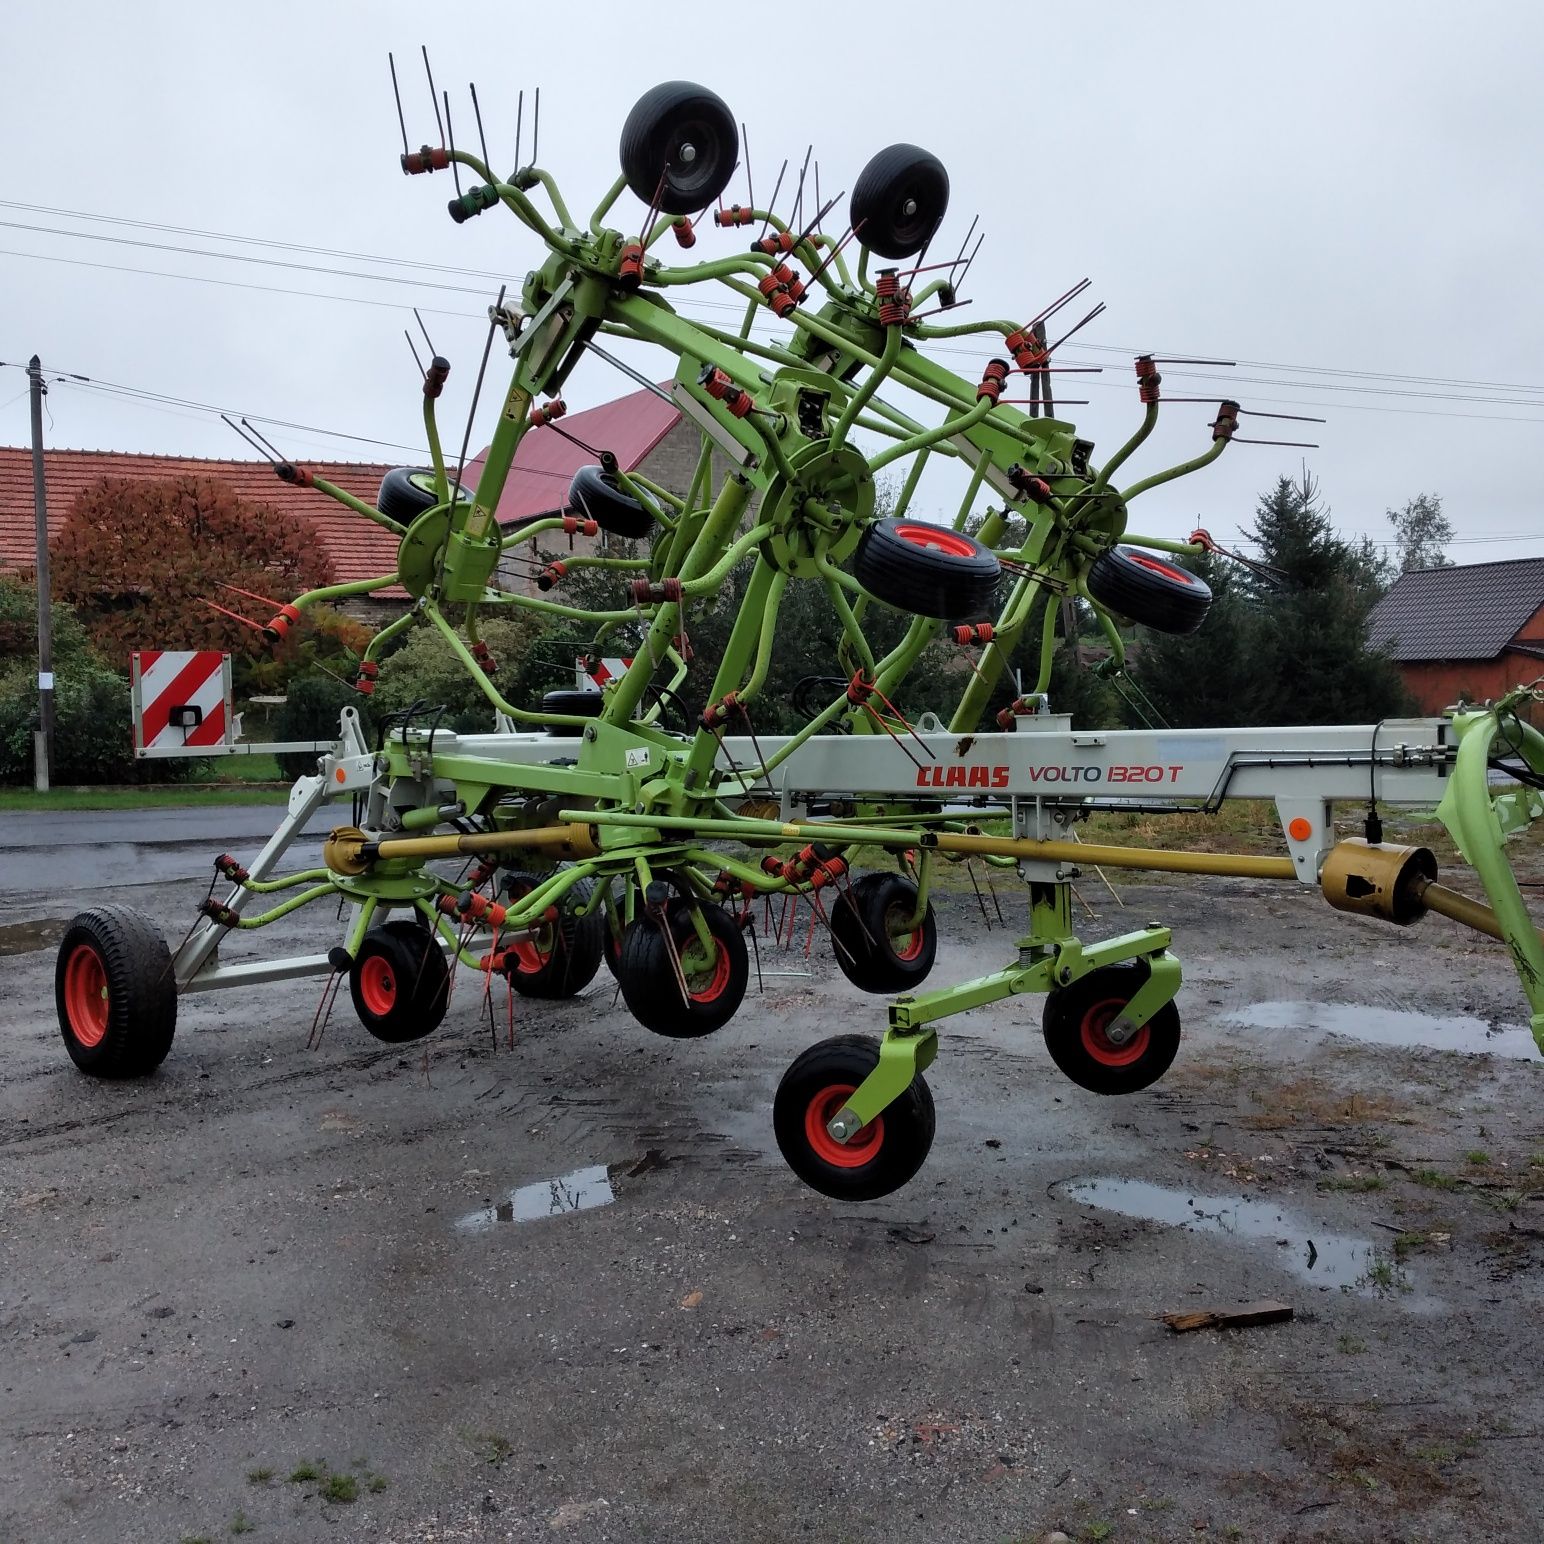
<point x="93" y="731"/>
<point x="310" y="712"/>
<point x="426" y="670"/>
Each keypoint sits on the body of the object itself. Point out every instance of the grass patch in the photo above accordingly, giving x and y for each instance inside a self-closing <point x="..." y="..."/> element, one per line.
<point x="1434" y="1179"/>
<point x="491" y="1447"/>
<point x="259" y="1476"/>
<point x="1355" y="1182"/>
<point x="342" y="1488"/>
<point x="378" y="1483"/>
<point x="191" y="796"/>
<point x="1349" y="1345"/>
<point x="1094" y="1532"/>
<point x="304" y="1472"/>
<point x="1477" y="1158"/>
<point x="241" y="1523"/>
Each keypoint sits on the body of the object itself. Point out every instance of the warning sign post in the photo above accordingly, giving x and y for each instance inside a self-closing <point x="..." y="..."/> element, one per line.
<point x="182" y="702"/>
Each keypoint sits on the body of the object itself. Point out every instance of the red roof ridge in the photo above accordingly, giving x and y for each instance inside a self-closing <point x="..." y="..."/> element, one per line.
<point x="175" y="455"/>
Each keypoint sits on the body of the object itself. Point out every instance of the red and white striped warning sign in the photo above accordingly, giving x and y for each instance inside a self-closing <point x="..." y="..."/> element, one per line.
<point x="590" y="675"/>
<point x="182" y="698"/>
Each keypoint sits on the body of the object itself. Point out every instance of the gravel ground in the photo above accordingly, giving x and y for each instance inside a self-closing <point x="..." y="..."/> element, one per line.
<point x="295" y="1291"/>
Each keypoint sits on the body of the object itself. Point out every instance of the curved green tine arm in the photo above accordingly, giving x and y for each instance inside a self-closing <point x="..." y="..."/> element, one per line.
<point x="344" y="591"/>
<point x="488" y="689"/>
<point x="603" y="208"/>
<point x="1187" y="549"/>
<point x="436" y="456"/>
<point x="876" y="377"/>
<point x="741" y="547"/>
<point x="1182" y="470"/>
<point x="358" y="505"/>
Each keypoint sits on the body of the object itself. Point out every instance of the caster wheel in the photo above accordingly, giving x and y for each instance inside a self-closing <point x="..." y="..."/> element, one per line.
<point x="928" y="569"/>
<point x="1077" y="1020"/>
<point x="715" y="987"/>
<point x="561" y="960"/>
<point x="400" y="982"/>
<point x="863" y="935"/>
<point x="881" y="1157"/>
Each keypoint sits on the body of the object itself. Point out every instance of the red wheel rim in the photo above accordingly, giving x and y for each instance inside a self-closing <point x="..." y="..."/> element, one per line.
<point x="377" y="985"/>
<point x="1097" y="1018"/>
<point x="705" y="986"/>
<point x="905" y="946"/>
<point x="85" y="995"/>
<point x="862" y="1148"/>
<point x="936" y="539"/>
<point x="1167" y="570"/>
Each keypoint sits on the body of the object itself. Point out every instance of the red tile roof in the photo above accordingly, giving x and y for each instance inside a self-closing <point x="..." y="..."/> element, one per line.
<point x="630" y="428"/>
<point x="545" y="464"/>
<point x="358" y="549"/>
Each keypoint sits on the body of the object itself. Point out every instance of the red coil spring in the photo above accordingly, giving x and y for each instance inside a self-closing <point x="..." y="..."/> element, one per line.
<point x="684" y="234"/>
<point x="979" y="632"/>
<point x="427" y="158"/>
<point x="1147" y="380"/>
<point x="993" y="379"/>
<point x="646" y="590"/>
<point x="1027" y="351"/>
<point x="1226" y="422"/>
<point x="278" y="629"/>
<point x="574" y="526"/>
<point x="733" y="215"/>
<point x="773" y="243"/>
<point x="547" y="412"/>
<point x="550" y="575"/>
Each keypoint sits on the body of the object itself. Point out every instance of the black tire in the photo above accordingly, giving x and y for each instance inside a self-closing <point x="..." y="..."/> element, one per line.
<point x="571" y="702"/>
<point x="400" y="982"/>
<point x="882" y="1156"/>
<point x="115" y="993"/>
<point x="899" y="201"/>
<point x="679" y="147"/>
<point x="1077" y="1016"/>
<point x="869" y="955"/>
<point x="407" y="492"/>
<point x="562" y="959"/>
<point x="648" y="979"/>
<point x="595" y="494"/>
<point x="928" y="570"/>
<point x="1150" y="590"/>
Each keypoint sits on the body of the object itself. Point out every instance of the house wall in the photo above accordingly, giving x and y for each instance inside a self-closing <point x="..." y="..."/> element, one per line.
<point x="1438" y="684"/>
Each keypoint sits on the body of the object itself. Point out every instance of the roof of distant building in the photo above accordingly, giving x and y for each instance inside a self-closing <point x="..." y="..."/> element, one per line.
<point x="630" y="428"/>
<point x="1468" y="612"/>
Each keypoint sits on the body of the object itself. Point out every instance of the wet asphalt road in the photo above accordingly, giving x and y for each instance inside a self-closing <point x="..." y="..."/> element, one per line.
<point x="569" y="1291"/>
<point x="111" y="849"/>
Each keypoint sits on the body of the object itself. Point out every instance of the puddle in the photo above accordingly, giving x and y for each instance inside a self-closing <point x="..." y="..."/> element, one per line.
<point x="24" y="937"/>
<point x="580" y="1191"/>
<point x="1315" y="1255"/>
<point x="1390" y="1026"/>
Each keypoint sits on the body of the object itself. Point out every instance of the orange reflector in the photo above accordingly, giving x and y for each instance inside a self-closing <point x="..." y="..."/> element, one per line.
<point x="1300" y="829"/>
<point x="342" y="777"/>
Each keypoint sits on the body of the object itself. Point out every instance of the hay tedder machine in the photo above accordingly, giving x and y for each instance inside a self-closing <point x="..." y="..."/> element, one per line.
<point x="595" y="829"/>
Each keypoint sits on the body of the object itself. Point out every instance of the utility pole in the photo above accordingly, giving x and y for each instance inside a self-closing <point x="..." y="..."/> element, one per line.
<point x="43" y="741"/>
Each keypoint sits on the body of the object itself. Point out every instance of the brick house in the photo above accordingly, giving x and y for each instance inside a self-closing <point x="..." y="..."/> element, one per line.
<point x="1470" y="632"/>
<point x="644" y="433"/>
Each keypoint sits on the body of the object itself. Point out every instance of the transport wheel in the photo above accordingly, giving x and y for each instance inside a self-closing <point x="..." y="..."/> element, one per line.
<point x="1149" y="590"/>
<point x="679" y="147"/>
<point x="714" y="987"/>
<point x="899" y="200"/>
<point x="562" y="958"/>
<point x="406" y="492"/>
<point x="869" y="950"/>
<point x="400" y="982"/>
<point x="881" y="1157"/>
<point x="597" y="496"/>
<point x="1078" y="1017"/>
<point x="116" y="996"/>
<point x="927" y="569"/>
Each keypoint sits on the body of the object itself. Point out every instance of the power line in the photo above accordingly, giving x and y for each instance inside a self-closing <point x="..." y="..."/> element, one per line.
<point x="1464" y="385"/>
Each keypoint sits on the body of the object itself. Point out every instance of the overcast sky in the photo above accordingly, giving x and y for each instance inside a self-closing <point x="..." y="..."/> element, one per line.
<point x="1342" y="197"/>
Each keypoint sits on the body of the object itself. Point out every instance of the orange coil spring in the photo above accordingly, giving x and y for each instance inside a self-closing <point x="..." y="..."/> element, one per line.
<point x="630" y="269"/>
<point x="1147" y="380"/>
<point x="733" y="215"/>
<point x="993" y="379"/>
<point x="547" y="412"/>
<point x="684" y="234"/>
